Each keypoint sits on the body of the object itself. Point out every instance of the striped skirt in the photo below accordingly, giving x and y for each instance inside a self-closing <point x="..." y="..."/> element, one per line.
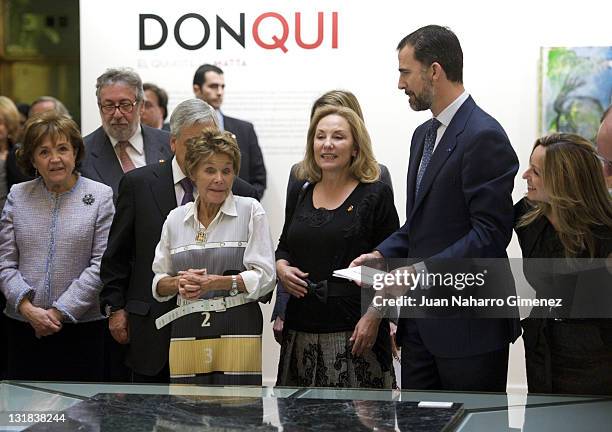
<point x="221" y="348"/>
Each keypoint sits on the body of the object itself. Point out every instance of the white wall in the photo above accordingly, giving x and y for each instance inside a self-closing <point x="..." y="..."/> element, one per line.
<point x="501" y="42"/>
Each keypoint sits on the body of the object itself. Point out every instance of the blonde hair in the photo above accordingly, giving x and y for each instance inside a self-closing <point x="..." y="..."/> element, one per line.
<point x="210" y="142"/>
<point x="578" y="198"/>
<point x="363" y="167"/>
<point x="10" y="115"/>
<point x="338" y="98"/>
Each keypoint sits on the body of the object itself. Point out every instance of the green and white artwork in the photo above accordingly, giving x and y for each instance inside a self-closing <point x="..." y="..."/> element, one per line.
<point x="576" y="88"/>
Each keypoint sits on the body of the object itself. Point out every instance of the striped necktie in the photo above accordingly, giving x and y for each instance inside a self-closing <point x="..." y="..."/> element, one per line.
<point x="126" y="162"/>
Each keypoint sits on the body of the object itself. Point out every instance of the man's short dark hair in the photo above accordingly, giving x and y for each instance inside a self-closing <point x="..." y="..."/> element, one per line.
<point x="199" y="78"/>
<point x="437" y="44"/>
<point x="161" y="94"/>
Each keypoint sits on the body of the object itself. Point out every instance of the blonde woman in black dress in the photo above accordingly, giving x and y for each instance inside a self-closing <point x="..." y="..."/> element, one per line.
<point x="342" y="210"/>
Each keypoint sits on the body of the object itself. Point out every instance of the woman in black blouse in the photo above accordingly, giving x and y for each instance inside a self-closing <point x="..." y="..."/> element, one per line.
<point x="341" y="211"/>
<point x="567" y="213"/>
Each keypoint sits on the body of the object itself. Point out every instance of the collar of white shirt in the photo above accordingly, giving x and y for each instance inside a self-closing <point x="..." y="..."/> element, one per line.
<point x="449" y="112"/>
<point x="228" y="207"/>
<point x="136" y="141"/>
<point x="220" y="119"/>
<point x="177" y="172"/>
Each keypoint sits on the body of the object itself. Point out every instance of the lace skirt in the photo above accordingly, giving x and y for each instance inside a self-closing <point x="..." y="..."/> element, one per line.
<point x="325" y="360"/>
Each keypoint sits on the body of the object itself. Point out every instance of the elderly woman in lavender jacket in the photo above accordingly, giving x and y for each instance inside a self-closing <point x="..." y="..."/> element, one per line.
<point x="53" y="232"/>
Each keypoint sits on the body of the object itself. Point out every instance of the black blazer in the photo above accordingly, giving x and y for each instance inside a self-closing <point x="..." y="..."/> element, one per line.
<point x="464" y="210"/>
<point x="101" y="163"/>
<point x="146" y="196"/>
<point x="282" y="296"/>
<point x="252" y="168"/>
<point x="578" y="283"/>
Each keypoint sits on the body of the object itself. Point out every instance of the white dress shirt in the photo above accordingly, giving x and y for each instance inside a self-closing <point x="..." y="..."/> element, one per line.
<point x="177" y="176"/>
<point x="179" y="233"/>
<point x="447" y="115"/>
<point x="220" y="120"/>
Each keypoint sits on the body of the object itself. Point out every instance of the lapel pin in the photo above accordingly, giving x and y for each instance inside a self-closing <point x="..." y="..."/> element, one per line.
<point x="350" y="208"/>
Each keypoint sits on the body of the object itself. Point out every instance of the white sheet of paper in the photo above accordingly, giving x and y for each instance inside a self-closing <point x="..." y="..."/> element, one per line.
<point x="431" y="404"/>
<point x="361" y="274"/>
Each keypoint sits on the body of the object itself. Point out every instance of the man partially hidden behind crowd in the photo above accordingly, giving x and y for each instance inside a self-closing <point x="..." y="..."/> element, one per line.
<point x="209" y="85"/>
<point x="155" y="107"/>
<point x="44" y="103"/>
<point x="47" y="103"/>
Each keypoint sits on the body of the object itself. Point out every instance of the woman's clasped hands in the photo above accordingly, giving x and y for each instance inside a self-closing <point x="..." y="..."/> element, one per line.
<point x="193" y="283"/>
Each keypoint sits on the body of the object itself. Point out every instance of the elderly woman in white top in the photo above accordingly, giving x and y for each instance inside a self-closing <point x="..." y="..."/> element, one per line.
<point x="217" y="255"/>
<point x="52" y="235"/>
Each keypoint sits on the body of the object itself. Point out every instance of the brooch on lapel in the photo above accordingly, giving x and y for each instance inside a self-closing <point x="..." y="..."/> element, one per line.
<point x="350" y="209"/>
<point x="88" y="199"/>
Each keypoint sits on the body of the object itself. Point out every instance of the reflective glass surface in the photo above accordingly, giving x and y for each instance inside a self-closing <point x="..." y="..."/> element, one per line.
<point x="150" y="407"/>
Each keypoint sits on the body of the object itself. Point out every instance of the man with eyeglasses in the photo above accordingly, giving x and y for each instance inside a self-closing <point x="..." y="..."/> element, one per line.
<point x="604" y="146"/>
<point x="122" y="143"/>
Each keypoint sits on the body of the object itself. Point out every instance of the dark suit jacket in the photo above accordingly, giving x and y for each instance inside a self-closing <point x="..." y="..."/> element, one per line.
<point x="101" y="163"/>
<point x="242" y="188"/>
<point x="252" y="168"/>
<point x="14" y="174"/>
<point x="464" y="210"/>
<point x="578" y="282"/>
<point x="146" y="196"/>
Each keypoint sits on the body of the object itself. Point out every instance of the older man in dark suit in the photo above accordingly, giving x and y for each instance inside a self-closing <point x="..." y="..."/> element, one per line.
<point x="209" y="85"/>
<point x="122" y="143"/>
<point x="458" y="205"/>
<point x="146" y="196"/>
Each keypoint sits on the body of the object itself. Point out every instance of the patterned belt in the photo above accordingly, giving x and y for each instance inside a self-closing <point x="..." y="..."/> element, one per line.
<point x="216" y="304"/>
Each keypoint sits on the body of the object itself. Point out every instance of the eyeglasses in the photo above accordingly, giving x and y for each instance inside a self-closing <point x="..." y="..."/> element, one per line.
<point x="124" y="107"/>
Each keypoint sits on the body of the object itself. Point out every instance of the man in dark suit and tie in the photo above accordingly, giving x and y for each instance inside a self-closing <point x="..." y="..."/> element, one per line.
<point x="146" y="196"/>
<point x="209" y="85"/>
<point x="121" y="143"/>
<point x="459" y="205"/>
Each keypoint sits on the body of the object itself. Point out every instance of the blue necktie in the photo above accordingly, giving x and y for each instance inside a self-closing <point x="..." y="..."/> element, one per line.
<point x="187" y="186"/>
<point x="430" y="141"/>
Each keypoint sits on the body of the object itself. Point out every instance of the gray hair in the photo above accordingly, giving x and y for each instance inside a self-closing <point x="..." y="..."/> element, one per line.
<point x="60" y="108"/>
<point x="191" y="112"/>
<point x="120" y="75"/>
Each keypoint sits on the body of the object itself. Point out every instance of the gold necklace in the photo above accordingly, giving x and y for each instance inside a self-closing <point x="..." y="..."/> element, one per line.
<point x="201" y="234"/>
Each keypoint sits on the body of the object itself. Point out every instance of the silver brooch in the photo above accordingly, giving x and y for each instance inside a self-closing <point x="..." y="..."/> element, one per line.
<point x="88" y="199"/>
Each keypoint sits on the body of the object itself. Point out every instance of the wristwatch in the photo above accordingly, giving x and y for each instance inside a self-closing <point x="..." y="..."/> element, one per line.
<point x="108" y="310"/>
<point x="234" y="290"/>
